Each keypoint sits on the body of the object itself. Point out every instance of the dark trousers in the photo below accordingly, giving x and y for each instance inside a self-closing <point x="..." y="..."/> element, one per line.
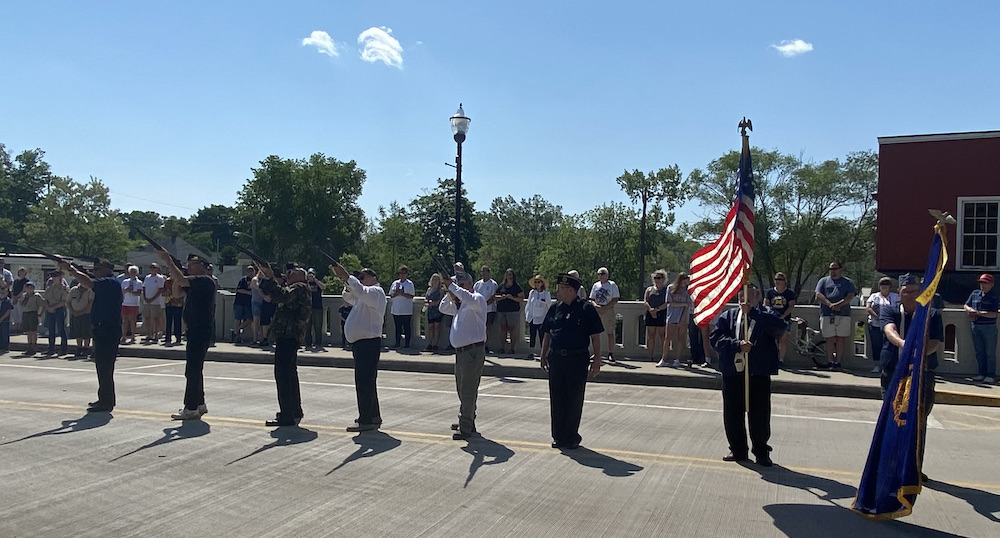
<point x="314" y="332"/>
<point x="286" y="377"/>
<point x="402" y="329"/>
<point x="694" y="340"/>
<point x="366" y="353"/>
<point x="532" y="333"/>
<point x="198" y="340"/>
<point x="106" y="338"/>
<point x="759" y="417"/>
<point x="876" y="339"/>
<point x="5" y="335"/>
<point x="567" y="384"/>
<point x="56" y="323"/>
<point x="173" y="323"/>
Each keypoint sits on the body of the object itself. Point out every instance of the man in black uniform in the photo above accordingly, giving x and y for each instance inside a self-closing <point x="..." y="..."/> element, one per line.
<point x="199" y="314"/>
<point x="569" y="327"/>
<point x="732" y="341"/>
<point x="106" y="320"/>
<point x="294" y="307"/>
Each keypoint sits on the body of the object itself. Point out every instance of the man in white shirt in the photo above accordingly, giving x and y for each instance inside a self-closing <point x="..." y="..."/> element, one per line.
<point x="487" y="287"/>
<point x="152" y="294"/>
<point x="604" y="294"/>
<point x="401" y="292"/>
<point x="363" y="330"/>
<point x="468" y="337"/>
<point x="131" y="291"/>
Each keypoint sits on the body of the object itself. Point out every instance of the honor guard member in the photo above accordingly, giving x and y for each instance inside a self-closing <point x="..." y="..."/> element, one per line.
<point x="468" y="337"/>
<point x="291" y="316"/>
<point x="731" y="339"/>
<point x="363" y="329"/>
<point x="570" y="326"/>
<point x="199" y="315"/>
<point x="106" y="321"/>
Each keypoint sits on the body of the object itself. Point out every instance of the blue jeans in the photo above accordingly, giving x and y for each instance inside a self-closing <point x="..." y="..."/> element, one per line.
<point x="984" y="339"/>
<point x="876" y="340"/>
<point x="56" y="323"/>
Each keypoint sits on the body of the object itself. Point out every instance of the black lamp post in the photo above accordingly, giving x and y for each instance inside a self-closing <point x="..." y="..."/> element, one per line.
<point x="459" y="127"/>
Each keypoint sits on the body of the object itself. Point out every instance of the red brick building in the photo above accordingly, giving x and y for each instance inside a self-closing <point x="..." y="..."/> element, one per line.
<point x="954" y="172"/>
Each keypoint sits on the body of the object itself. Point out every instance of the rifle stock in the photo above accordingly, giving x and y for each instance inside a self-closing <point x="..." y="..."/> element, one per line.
<point x="253" y="256"/>
<point x="158" y="246"/>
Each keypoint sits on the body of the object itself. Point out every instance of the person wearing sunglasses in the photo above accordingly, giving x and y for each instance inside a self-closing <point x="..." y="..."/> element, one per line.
<point x="835" y="293"/>
<point x="782" y="300"/>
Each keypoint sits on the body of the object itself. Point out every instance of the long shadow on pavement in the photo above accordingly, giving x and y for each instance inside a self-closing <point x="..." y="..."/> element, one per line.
<point x="283" y="436"/>
<point x="369" y="444"/>
<point x="485" y="452"/>
<point x="784" y="476"/>
<point x="187" y="430"/>
<point x="86" y="422"/>
<point x="983" y="502"/>
<point x="610" y="466"/>
<point x="810" y="520"/>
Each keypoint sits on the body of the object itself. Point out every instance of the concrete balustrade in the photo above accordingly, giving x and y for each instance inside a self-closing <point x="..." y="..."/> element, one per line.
<point x="957" y="358"/>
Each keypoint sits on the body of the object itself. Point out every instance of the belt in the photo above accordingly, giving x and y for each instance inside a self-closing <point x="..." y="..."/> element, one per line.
<point x="570" y="352"/>
<point x="463" y="349"/>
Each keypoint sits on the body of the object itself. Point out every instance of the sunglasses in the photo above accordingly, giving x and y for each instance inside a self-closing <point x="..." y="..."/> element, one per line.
<point x="657" y="278"/>
<point x="779" y="280"/>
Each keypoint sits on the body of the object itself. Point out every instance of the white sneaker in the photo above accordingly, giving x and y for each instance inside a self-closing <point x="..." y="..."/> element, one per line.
<point x="989" y="380"/>
<point x="202" y="409"/>
<point x="876" y="370"/>
<point x="978" y="378"/>
<point x="676" y="364"/>
<point x="662" y="364"/>
<point x="186" y="414"/>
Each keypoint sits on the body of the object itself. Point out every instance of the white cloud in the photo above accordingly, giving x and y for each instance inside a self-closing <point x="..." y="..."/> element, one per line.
<point x="793" y="47"/>
<point x="380" y="46"/>
<point x="323" y="43"/>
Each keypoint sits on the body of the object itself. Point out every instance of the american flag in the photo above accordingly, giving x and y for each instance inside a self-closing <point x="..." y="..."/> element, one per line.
<point x="717" y="270"/>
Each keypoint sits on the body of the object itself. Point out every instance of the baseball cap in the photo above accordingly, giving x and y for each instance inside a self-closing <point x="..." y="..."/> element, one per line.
<point x="986" y="277"/>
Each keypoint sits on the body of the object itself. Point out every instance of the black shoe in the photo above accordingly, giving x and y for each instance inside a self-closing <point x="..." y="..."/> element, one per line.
<point x="461" y="436"/>
<point x="923" y="477"/>
<point x="100" y="408"/>
<point x="362" y="427"/>
<point x="456" y="427"/>
<point x="735" y="457"/>
<point x="279" y="422"/>
<point x="764" y="461"/>
<point x="556" y="445"/>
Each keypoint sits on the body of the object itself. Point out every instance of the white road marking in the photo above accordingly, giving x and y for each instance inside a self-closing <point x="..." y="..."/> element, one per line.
<point x="174" y="363"/>
<point x="935" y="424"/>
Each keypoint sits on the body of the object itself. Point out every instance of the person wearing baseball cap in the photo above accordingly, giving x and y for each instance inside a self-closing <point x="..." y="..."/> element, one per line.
<point x="982" y="308"/>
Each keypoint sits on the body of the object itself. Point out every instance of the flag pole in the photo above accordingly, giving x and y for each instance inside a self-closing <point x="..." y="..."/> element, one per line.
<point x="744" y="125"/>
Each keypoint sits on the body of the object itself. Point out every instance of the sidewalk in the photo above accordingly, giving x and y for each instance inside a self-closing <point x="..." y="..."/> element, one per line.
<point x="627" y="371"/>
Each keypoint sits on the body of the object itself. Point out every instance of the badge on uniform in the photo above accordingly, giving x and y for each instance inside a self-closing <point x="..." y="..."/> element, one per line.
<point x="567" y="315"/>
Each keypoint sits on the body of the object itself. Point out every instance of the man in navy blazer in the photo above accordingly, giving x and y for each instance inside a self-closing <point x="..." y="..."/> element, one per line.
<point x="731" y="340"/>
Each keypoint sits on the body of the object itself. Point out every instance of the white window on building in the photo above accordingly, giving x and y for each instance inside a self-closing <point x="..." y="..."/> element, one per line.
<point x="978" y="232"/>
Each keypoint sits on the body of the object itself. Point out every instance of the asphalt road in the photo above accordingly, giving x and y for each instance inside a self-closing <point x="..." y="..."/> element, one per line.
<point x="651" y="463"/>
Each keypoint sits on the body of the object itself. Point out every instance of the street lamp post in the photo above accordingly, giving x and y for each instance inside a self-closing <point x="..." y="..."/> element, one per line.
<point x="459" y="127"/>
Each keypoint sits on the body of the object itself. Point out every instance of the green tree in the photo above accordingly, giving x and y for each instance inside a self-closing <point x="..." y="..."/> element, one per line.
<point x="149" y="222"/>
<point x="664" y="185"/>
<point x="395" y="241"/>
<point x="805" y="214"/>
<point x="434" y="212"/>
<point x="213" y="226"/>
<point x="22" y="181"/>
<point x="296" y="205"/>
<point x="75" y="219"/>
<point x="514" y="234"/>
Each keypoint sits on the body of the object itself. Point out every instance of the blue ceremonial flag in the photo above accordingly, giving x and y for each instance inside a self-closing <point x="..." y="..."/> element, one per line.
<point x="891" y="479"/>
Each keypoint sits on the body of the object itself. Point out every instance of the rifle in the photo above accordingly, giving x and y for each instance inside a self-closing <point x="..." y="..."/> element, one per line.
<point x="59" y="260"/>
<point x="253" y="256"/>
<point x="327" y="256"/>
<point x="158" y="246"/>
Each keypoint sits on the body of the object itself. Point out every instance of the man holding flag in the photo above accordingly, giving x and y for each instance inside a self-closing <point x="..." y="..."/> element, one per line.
<point x="892" y="477"/>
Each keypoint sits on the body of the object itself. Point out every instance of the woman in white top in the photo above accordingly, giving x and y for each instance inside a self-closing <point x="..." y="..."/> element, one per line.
<point x="885" y="298"/>
<point x="539" y="300"/>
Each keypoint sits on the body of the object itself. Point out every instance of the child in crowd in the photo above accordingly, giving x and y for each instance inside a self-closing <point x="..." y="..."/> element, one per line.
<point x="32" y="304"/>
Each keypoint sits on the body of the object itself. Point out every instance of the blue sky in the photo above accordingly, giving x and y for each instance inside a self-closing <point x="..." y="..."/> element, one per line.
<point x="170" y="104"/>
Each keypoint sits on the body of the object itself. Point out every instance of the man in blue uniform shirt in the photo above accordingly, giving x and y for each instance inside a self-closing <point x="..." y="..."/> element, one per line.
<point x="982" y="308"/>
<point x="570" y="326"/>
<point x="737" y="346"/>
<point x="106" y="320"/>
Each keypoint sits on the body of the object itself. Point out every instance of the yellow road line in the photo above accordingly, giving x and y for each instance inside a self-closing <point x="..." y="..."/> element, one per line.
<point x="446" y="440"/>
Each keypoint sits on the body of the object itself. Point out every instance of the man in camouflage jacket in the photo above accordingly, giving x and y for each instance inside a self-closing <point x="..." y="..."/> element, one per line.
<point x="294" y="307"/>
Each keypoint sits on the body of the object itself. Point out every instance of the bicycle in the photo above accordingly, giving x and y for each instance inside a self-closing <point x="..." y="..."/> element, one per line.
<point x="808" y="342"/>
